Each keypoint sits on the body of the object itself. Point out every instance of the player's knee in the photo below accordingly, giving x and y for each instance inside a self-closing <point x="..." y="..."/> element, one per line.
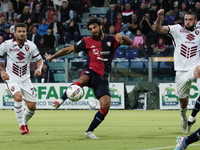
<point x="83" y="80"/>
<point x="32" y="107"/>
<point x="18" y="97"/>
<point x="105" y="102"/>
<point x="183" y="103"/>
<point x="183" y="106"/>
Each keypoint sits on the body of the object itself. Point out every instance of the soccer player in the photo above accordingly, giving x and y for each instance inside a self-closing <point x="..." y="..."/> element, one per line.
<point x="183" y="142"/>
<point x="17" y="75"/>
<point x="186" y="41"/>
<point x="99" y="49"/>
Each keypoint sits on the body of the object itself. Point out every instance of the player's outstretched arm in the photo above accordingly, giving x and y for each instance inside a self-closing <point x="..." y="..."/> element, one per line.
<point x="158" y="27"/>
<point x="4" y="75"/>
<point x="123" y="39"/>
<point x="38" y="71"/>
<point x="63" y="52"/>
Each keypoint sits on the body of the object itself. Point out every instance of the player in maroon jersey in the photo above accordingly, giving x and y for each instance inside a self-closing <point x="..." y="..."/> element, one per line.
<point x="99" y="49"/>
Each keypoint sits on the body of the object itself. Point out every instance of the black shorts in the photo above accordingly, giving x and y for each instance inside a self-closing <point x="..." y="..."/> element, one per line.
<point x="97" y="83"/>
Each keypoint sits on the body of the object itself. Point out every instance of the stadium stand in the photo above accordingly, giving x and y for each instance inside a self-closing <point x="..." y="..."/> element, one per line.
<point x="170" y="19"/>
<point x="131" y="54"/>
<point x="119" y="53"/>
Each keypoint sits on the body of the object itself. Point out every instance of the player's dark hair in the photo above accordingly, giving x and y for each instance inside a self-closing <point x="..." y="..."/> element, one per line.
<point x="94" y="20"/>
<point x="191" y="13"/>
<point x="20" y="25"/>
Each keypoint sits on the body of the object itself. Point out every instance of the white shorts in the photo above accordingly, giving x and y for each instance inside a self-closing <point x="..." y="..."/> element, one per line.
<point x="184" y="80"/>
<point x="26" y="89"/>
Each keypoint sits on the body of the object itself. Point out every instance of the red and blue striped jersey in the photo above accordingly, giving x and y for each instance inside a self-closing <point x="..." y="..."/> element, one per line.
<point x="99" y="53"/>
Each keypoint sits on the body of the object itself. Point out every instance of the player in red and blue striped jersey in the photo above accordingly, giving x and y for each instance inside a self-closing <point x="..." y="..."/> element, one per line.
<point x="99" y="50"/>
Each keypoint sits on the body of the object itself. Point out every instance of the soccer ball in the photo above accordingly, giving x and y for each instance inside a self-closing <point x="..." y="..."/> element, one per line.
<point x="74" y="93"/>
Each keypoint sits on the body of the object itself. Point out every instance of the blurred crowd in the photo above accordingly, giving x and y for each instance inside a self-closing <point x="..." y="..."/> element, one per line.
<point x="136" y="19"/>
<point x="51" y="23"/>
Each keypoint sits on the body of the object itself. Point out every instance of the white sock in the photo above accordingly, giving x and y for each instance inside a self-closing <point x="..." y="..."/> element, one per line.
<point x="183" y="113"/>
<point x="28" y="115"/>
<point x="191" y="119"/>
<point x="19" y="112"/>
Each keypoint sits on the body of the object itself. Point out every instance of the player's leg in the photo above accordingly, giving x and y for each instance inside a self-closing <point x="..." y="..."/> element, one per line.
<point x="183" y="107"/>
<point x="18" y="108"/>
<point x="99" y="116"/>
<point x="183" y="88"/>
<point x="102" y="93"/>
<point x="196" y="108"/>
<point x="28" y="113"/>
<point x="82" y="81"/>
<point x="183" y="142"/>
<point x="183" y="110"/>
<point x="29" y="98"/>
<point x="15" y="91"/>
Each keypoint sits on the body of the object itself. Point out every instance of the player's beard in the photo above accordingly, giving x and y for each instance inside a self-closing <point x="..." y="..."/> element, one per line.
<point x="20" y="40"/>
<point x="190" y="28"/>
<point x="99" y="35"/>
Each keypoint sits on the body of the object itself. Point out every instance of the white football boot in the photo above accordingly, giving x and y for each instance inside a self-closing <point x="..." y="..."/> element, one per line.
<point x="90" y="135"/>
<point x="184" y="126"/>
<point x="190" y="123"/>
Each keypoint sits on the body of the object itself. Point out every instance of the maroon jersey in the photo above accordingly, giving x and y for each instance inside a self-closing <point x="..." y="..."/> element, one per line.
<point x="99" y="54"/>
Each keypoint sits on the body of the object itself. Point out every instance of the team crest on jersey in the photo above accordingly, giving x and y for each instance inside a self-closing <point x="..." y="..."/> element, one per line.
<point x="27" y="48"/>
<point x="109" y="43"/>
<point x="12" y="88"/>
<point x="196" y="32"/>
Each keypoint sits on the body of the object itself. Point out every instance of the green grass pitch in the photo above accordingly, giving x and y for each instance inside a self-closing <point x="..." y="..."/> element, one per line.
<point x="121" y="130"/>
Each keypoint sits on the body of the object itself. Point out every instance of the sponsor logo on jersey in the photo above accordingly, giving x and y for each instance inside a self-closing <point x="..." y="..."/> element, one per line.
<point x="20" y="56"/>
<point x="92" y="46"/>
<point x="184" y="31"/>
<point x="95" y="51"/>
<point x="105" y="53"/>
<point x="190" y="37"/>
<point x="103" y="59"/>
<point x="14" y="49"/>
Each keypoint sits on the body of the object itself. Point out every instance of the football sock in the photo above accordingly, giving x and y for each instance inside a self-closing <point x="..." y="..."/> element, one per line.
<point x="19" y="112"/>
<point x="98" y="118"/>
<point x="183" y="113"/>
<point x="28" y="115"/>
<point x="64" y="96"/>
<point x="196" y="108"/>
<point x="193" y="137"/>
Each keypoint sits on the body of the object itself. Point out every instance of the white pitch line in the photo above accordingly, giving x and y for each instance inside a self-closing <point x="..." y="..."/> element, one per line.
<point x="167" y="147"/>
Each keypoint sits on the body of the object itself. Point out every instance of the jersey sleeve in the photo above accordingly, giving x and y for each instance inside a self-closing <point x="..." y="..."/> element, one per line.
<point x="36" y="54"/>
<point x="79" y="46"/>
<point x="174" y="29"/>
<point x="2" y="48"/>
